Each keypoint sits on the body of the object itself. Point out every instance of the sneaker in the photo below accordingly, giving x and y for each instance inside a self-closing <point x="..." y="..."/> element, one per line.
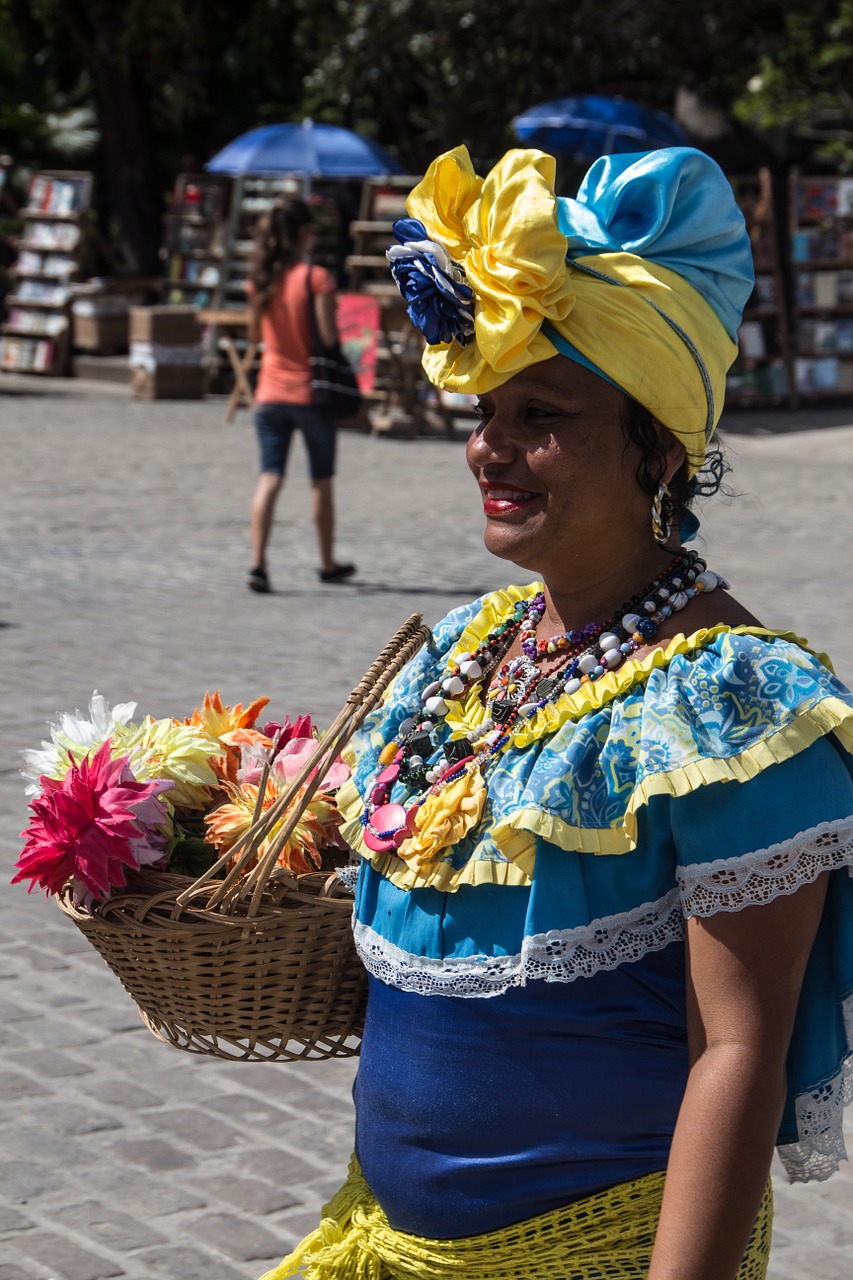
<point x="337" y="574"/>
<point x="258" y="581"/>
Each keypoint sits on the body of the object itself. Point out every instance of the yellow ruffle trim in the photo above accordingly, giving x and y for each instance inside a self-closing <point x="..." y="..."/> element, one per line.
<point x="467" y="715"/>
<point x="516" y="836"/>
<point x="610" y="1233"/>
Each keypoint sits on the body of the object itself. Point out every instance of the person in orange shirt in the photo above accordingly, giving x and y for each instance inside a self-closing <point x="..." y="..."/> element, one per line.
<point x="282" y="288"/>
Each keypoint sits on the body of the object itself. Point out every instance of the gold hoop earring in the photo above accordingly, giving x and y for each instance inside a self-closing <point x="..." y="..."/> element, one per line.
<point x="662" y="509"/>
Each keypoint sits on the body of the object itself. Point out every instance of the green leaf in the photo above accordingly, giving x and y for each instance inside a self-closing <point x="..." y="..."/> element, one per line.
<point x="192" y="856"/>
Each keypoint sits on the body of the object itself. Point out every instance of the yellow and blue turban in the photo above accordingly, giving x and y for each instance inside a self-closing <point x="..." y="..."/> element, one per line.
<point x="642" y="277"/>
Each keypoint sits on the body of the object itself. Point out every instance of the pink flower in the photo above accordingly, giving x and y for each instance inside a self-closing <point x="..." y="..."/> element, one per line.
<point x="254" y="756"/>
<point x="294" y="756"/>
<point x="91" y="825"/>
<point x="281" y="734"/>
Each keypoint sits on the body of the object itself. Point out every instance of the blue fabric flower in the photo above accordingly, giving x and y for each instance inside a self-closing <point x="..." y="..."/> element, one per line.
<point x="439" y="301"/>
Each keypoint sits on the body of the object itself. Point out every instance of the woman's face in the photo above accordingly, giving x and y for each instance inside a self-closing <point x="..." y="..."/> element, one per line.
<point x="557" y="476"/>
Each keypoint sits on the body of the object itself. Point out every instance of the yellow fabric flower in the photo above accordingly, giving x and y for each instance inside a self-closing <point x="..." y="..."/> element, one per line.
<point x="446" y="817"/>
<point x="217" y="719"/>
<point x="231" y="725"/>
<point x="502" y="230"/>
<point x="167" y="749"/>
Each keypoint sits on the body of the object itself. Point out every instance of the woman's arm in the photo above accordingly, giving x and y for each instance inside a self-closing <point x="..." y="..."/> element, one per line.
<point x="744" y="973"/>
<point x="325" y="309"/>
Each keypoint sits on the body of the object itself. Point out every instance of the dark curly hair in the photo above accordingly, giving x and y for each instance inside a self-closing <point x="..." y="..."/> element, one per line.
<point x="276" y="245"/>
<point x="640" y="430"/>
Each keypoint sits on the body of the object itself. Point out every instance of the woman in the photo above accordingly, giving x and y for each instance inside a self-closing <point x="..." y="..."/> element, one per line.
<point x="283" y="287"/>
<point x="605" y="818"/>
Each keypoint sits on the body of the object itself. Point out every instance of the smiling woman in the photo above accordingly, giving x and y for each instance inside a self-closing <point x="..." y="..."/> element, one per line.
<point x="558" y="476"/>
<point x="605" y="819"/>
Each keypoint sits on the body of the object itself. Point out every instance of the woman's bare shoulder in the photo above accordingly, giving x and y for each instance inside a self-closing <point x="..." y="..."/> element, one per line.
<point x="704" y="611"/>
<point x="714" y="607"/>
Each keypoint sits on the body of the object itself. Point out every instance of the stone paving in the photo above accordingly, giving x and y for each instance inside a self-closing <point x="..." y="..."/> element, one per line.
<point x="124" y="528"/>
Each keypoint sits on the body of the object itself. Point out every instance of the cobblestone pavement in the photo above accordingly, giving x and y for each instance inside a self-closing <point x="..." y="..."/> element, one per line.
<point x="124" y="529"/>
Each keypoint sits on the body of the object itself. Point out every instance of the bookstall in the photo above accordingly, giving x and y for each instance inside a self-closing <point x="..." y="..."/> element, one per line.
<point x="821" y="211"/>
<point x="763" y="372"/>
<point x="401" y="396"/>
<point x="208" y="241"/>
<point x="8" y="212"/>
<point x="36" y="333"/>
<point x="194" y="239"/>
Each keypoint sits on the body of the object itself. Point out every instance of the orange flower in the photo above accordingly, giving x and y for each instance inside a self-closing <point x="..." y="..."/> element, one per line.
<point x="223" y="722"/>
<point x="317" y="826"/>
<point x="217" y="719"/>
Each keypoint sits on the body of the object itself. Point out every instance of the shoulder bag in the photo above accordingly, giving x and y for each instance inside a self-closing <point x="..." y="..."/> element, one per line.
<point x="334" y="388"/>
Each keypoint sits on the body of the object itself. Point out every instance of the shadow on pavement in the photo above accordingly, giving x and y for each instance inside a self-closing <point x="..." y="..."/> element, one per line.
<point x="385" y="589"/>
<point x="774" y="422"/>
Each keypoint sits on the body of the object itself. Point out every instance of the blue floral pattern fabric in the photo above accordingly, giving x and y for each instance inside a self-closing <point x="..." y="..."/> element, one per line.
<point x="714" y="776"/>
<point x="725" y="705"/>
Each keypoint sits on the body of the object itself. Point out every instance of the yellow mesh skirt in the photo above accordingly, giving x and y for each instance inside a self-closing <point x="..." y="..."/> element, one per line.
<point x="608" y="1236"/>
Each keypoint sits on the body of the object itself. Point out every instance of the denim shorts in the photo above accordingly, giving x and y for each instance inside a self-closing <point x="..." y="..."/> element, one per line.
<point x="275" y="424"/>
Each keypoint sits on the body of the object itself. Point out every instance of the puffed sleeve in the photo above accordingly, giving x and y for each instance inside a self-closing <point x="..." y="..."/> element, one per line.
<point x="742" y="844"/>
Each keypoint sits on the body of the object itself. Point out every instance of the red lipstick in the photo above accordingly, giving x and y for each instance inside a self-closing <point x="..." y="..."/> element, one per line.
<point x="502" y="499"/>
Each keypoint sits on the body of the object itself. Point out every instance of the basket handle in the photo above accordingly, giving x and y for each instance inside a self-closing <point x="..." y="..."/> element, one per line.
<point x="369" y="691"/>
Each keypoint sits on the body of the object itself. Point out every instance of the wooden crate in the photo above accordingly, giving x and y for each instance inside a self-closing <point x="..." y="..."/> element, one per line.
<point x="169" y="382"/>
<point x="166" y="326"/>
<point x="103" y="333"/>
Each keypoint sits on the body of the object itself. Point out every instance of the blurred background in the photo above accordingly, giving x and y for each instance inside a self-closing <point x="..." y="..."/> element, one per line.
<point x="128" y="179"/>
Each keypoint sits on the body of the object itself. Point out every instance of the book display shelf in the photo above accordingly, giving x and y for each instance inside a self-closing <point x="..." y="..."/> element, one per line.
<point x="763" y="371"/>
<point x="36" y="333"/>
<point x="401" y="394"/>
<point x="822" y="269"/>
<point x="255" y="195"/>
<point x="194" y="239"/>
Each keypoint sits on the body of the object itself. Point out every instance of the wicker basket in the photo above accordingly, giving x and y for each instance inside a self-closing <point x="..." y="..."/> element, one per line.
<point x="259" y="965"/>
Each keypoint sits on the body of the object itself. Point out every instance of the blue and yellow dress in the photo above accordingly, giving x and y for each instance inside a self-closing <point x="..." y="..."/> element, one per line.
<point x="526" y="1037"/>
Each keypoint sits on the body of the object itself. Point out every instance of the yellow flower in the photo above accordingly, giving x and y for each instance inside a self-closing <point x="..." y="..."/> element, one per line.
<point x="446" y="817"/>
<point x="502" y="230"/>
<point x="167" y="749"/>
<point x="316" y="829"/>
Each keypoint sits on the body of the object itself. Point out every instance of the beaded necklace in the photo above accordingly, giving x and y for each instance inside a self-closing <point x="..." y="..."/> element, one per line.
<point x="582" y="655"/>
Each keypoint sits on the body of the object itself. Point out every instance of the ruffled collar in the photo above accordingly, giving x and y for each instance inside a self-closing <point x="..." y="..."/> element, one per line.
<point x="728" y="703"/>
<point x="466" y="715"/>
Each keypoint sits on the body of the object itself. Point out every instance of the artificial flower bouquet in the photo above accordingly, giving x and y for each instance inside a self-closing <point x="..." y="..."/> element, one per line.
<point x="113" y="795"/>
<point x="199" y="857"/>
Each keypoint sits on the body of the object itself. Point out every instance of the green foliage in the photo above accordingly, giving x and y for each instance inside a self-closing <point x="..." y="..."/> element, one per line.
<point x="192" y="857"/>
<point x="39" y="86"/>
<point x="172" y="81"/>
<point x="801" y="91"/>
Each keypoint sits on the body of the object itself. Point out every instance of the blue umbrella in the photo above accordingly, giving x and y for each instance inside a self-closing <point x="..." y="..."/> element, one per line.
<point x="590" y="126"/>
<point x="315" y="150"/>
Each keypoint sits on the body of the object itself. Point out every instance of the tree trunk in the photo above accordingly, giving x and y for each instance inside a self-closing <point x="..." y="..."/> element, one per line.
<point x="133" y="185"/>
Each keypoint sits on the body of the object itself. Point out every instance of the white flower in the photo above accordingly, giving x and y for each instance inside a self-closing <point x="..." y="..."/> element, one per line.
<point x="73" y="731"/>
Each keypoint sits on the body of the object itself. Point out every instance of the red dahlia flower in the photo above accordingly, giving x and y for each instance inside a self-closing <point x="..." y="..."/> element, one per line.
<point x="91" y="825"/>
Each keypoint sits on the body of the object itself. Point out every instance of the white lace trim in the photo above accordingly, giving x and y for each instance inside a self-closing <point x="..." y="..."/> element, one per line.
<point x="561" y="955"/>
<point x="820" y="1121"/>
<point x="348" y="875"/>
<point x="730" y="884"/>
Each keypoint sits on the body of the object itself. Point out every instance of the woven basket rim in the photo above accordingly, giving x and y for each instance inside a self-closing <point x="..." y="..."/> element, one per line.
<point x="157" y="910"/>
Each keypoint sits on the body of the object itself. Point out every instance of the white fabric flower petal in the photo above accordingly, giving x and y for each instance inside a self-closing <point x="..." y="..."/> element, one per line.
<point x="70" y="731"/>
